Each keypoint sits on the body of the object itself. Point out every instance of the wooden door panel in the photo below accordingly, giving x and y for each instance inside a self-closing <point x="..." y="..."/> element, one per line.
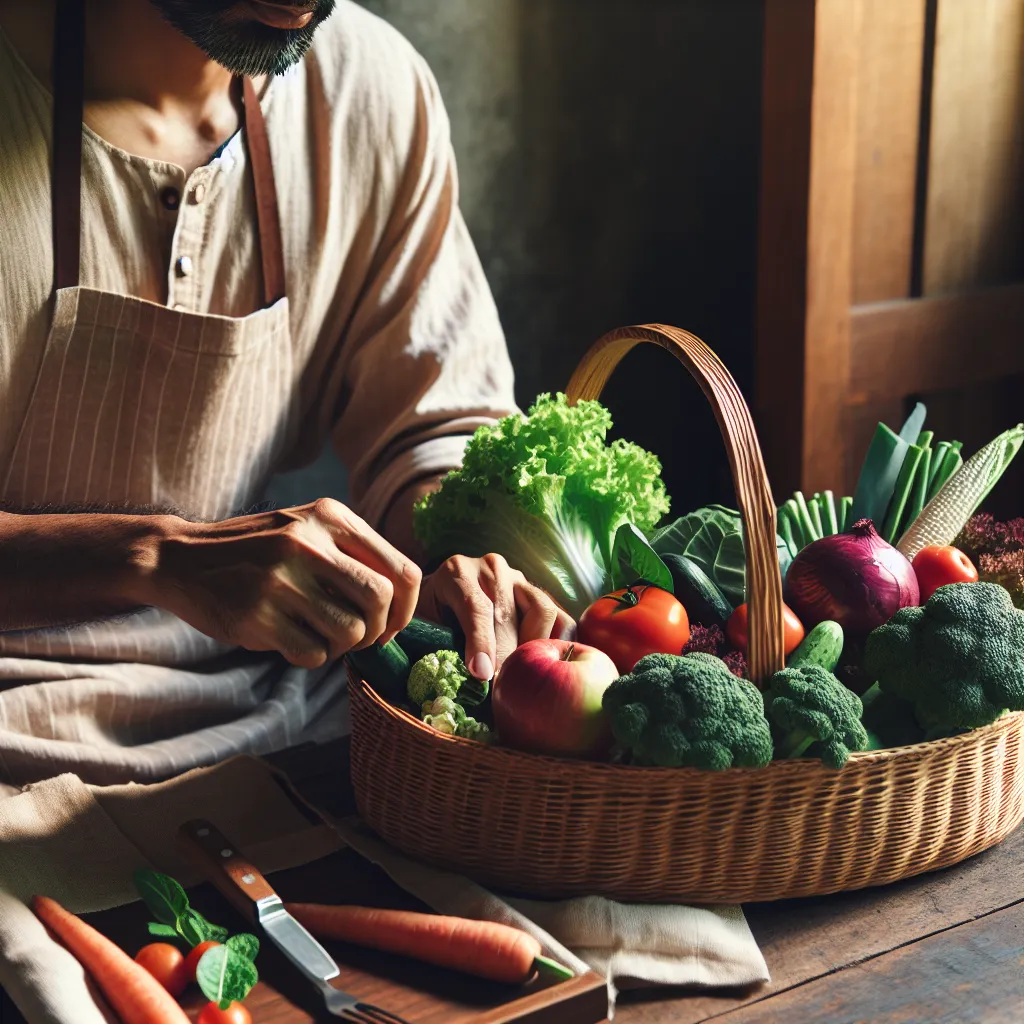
<point x="910" y="117"/>
<point x="974" y="219"/>
<point x="888" y="129"/>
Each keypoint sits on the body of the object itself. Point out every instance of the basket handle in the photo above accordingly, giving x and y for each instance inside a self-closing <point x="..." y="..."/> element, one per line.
<point x="753" y="492"/>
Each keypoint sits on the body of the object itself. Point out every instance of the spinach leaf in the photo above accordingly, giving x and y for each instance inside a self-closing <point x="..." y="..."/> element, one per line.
<point x="224" y="974"/>
<point x="632" y="549"/>
<point x="214" y="932"/>
<point x="168" y="903"/>
<point x="193" y="927"/>
<point x="247" y="945"/>
<point x="164" y="897"/>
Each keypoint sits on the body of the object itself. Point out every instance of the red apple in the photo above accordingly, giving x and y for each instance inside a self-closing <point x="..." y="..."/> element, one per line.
<point x="547" y="699"/>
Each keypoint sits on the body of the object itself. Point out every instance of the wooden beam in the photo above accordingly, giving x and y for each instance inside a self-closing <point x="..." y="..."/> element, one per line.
<point x="919" y="345"/>
<point x="837" y="47"/>
<point x="788" y="77"/>
<point x="805" y="257"/>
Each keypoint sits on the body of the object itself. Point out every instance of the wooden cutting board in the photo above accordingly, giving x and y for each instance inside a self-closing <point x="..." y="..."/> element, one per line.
<point x="420" y="993"/>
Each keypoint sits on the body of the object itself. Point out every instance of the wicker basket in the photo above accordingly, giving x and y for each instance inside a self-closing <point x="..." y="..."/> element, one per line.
<point x="550" y="827"/>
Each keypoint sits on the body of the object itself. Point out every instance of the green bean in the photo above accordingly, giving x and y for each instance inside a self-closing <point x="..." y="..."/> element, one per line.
<point x="806" y="523"/>
<point x="793" y="515"/>
<point x="830" y="513"/>
<point x="786" y="528"/>
<point x="845" y="506"/>
<point x="815" y="510"/>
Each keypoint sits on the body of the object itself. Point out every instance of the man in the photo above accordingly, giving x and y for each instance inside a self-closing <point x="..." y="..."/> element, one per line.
<point x="251" y="246"/>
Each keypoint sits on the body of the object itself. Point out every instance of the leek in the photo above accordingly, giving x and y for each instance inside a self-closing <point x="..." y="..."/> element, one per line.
<point x="882" y="466"/>
<point x="901" y="492"/>
<point x="919" y="495"/>
<point x="937" y="459"/>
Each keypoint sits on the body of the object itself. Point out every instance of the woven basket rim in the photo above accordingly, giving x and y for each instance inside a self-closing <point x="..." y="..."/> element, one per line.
<point x="858" y="758"/>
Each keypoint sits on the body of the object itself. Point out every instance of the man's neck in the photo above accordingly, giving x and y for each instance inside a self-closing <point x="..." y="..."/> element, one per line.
<point x="149" y="90"/>
<point x="133" y="53"/>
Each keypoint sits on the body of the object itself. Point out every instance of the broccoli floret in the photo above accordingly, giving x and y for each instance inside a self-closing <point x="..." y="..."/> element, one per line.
<point x="808" y="705"/>
<point x="443" y="674"/>
<point x="959" y="660"/>
<point x="444" y="715"/>
<point x="471" y="729"/>
<point x="688" y="710"/>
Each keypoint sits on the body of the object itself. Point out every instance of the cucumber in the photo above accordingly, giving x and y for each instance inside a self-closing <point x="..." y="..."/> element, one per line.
<point x="385" y="668"/>
<point x="421" y="637"/>
<point x="703" y="601"/>
<point x="822" y="646"/>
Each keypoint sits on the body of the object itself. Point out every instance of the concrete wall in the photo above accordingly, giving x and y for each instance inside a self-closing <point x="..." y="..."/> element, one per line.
<point x="608" y="153"/>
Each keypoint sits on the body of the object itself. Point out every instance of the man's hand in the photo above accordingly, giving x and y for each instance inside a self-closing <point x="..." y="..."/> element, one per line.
<point x="496" y="607"/>
<point x="311" y="582"/>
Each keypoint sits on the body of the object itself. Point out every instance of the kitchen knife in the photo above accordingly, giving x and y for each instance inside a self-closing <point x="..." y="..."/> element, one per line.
<point x="251" y="894"/>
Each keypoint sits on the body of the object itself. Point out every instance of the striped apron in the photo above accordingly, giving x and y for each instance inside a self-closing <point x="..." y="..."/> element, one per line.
<point x="137" y="404"/>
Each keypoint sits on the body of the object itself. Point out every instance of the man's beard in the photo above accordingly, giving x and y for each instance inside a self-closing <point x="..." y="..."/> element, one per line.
<point x="245" y="47"/>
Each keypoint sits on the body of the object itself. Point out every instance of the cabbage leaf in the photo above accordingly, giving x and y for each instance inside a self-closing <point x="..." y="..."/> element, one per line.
<point x="713" y="538"/>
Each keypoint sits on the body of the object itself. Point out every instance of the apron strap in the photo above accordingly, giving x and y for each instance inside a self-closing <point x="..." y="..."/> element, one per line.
<point x="66" y="173"/>
<point x="267" y="214"/>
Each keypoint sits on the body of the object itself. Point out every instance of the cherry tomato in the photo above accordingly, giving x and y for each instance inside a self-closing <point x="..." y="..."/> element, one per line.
<point x="236" y="1013"/>
<point x="192" y="960"/>
<point x="166" y="964"/>
<point x="936" y="566"/>
<point x="736" y="629"/>
<point x="633" y="622"/>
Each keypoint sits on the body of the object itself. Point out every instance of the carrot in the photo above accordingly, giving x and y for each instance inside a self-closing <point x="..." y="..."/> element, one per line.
<point x="136" y="996"/>
<point x="482" y="948"/>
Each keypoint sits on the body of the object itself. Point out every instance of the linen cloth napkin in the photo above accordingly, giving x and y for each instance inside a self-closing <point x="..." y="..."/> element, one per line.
<point x="81" y="844"/>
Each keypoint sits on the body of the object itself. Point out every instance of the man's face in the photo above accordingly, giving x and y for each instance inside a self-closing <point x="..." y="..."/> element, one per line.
<point x="249" y="37"/>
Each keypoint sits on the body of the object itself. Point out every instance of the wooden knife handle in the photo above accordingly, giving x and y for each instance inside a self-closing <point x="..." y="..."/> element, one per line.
<point x="225" y="866"/>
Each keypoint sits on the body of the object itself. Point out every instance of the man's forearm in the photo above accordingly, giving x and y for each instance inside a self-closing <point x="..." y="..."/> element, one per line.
<point x="60" y="569"/>
<point x="397" y="526"/>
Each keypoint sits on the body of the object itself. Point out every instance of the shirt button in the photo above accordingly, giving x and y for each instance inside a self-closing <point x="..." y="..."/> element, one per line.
<point x="170" y="197"/>
<point x="184" y="266"/>
<point x="198" y="193"/>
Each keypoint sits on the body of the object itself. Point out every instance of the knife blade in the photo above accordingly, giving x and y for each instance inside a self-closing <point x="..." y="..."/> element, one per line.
<point x="251" y="894"/>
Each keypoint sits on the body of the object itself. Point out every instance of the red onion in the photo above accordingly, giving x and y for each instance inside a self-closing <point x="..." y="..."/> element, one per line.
<point x="854" y="578"/>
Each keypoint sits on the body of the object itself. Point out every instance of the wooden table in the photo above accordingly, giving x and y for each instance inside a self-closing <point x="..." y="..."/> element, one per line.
<point x="945" y="948"/>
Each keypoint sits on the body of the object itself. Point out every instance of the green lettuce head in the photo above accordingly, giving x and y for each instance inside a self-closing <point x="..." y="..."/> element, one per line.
<point x="548" y="492"/>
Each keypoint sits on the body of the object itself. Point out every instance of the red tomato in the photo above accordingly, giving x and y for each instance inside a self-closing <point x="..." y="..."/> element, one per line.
<point x="736" y="629"/>
<point x="633" y="622"/>
<point x="166" y="964"/>
<point x="936" y="566"/>
<point x="192" y="960"/>
<point x="236" y="1013"/>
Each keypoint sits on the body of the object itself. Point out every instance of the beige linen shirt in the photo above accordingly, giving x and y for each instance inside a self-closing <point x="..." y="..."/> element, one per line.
<point x="396" y="354"/>
<point x="393" y="326"/>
